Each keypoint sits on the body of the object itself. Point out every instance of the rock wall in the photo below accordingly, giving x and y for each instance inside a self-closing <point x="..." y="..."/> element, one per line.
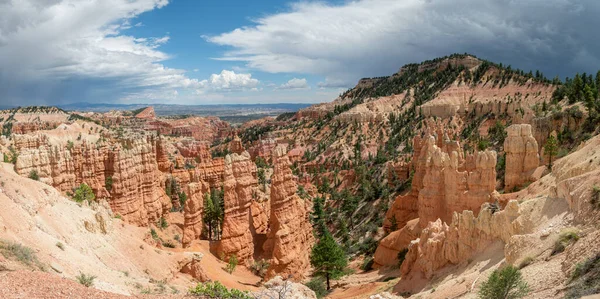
<point x="290" y="238"/>
<point x="192" y="212"/>
<point x="135" y="194"/>
<point x="440" y="244"/>
<point x="449" y="186"/>
<point x="239" y="187"/>
<point x="522" y="157"/>
<point x="444" y="182"/>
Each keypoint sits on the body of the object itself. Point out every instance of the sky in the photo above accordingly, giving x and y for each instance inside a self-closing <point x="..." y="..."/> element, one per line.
<point x="239" y="52"/>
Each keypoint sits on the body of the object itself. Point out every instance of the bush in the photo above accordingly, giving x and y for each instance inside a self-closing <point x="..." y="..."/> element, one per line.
<point x="503" y="284"/>
<point x="526" y="262"/>
<point x="595" y="197"/>
<point x="260" y="267"/>
<point x="367" y="264"/>
<point x="317" y="285"/>
<point x="60" y="245"/>
<point x="108" y="183"/>
<point x="401" y="256"/>
<point x="83" y="193"/>
<point x="232" y="263"/>
<point x="168" y="244"/>
<point x="86" y="280"/>
<point x="566" y="238"/>
<point x="162" y="223"/>
<point x="154" y="234"/>
<point x="34" y="175"/>
<point x="585" y="279"/>
<point x="21" y="253"/>
<point x="217" y="290"/>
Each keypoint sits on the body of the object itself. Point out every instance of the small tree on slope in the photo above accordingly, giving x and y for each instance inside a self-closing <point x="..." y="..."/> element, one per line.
<point x="505" y="283"/>
<point x="328" y="258"/>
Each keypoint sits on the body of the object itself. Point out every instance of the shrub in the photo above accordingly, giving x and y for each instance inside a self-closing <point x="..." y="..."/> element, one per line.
<point x="83" y="193"/>
<point x="260" y="267"/>
<point x="401" y="256"/>
<point x="503" y="284"/>
<point x="566" y="238"/>
<point x="595" y="196"/>
<point x="154" y="234"/>
<point x="367" y="264"/>
<point x="585" y="279"/>
<point x="217" y="290"/>
<point x="232" y="263"/>
<point x="526" y="262"/>
<point x="162" y="223"/>
<point x="34" y="175"/>
<point x="70" y="145"/>
<point x="60" y="245"/>
<point x="108" y="183"/>
<point x="168" y="244"/>
<point x="317" y="284"/>
<point x="86" y="280"/>
<point x="21" y="253"/>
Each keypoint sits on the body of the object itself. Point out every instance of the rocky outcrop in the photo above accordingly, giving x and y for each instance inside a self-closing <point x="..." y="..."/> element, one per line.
<point x="290" y="234"/>
<point x="162" y="158"/>
<point x="521" y="155"/>
<point x="451" y="187"/>
<point x="239" y="187"/>
<point x="444" y="182"/>
<point x="147" y="113"/>
<point x="236" y="146"/>
<point x="192" y="212"/>
<point x="136" y="192"/>
<point x="128" y="178"/>
<point x="440" y="244"/>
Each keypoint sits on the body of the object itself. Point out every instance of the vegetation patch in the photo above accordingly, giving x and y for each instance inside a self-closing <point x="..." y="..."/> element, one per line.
<point x="566" y="238"/>
<point x="585" y="279"/>
<point x="217" y="290"/>
<point x="504" y="283"/>
<point x="21" y="253"/>
<point x="85" y="279"/>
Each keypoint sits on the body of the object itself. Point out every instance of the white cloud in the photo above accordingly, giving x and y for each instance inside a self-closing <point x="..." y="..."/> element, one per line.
<point x="375" y="37"/>
<point x="46" y="43"/>
<point x="229" y="81"/>
<point x="295" y="84"/>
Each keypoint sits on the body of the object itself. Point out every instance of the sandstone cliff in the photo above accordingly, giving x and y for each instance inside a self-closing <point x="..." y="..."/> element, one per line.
<point x="239" y="187"/>
<point x="444" y="182"/>
<point x="135" y="190"/>
<point x="521" y="156"/>
<point x="290" y="234"/>
<point x="192" y="212"/>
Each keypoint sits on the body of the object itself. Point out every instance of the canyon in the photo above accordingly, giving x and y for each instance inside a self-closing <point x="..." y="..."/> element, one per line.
<point x="428" y="180"/>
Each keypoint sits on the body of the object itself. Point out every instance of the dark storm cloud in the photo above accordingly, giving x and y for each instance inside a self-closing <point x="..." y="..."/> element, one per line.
<point x="375" y="37"/>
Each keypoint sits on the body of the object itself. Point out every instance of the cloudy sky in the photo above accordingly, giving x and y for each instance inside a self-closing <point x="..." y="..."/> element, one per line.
<point x="269" y="51"/>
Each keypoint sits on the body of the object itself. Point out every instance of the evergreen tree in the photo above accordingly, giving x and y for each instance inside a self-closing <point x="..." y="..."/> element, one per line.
<point x="328" y="259"/>
<point x="551" y="148"/>
<point x="318" y="216"/>
<point x="208" y="212"/>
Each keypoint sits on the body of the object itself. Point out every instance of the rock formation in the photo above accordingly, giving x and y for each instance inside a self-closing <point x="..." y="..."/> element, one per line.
<point x="239" y="187"/>
<point x="236" y="146"/>
<point x="135" y="192"/>
<point x="290" y="234"/>
<point x="521" y="155"/>
<point x="192" y="212"/>
<point x="440" y="244"/>
<point x="444" y="182"/>
<point x="147" y="113"/>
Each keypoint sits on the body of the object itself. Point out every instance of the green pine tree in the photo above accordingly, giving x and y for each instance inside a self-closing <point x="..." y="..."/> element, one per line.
<point x="551" y="148"/>
<point x="328" y="259"/>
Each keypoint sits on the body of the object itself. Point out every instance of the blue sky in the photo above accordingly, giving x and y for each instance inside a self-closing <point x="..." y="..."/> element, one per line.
<point x="211" y="52"/>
